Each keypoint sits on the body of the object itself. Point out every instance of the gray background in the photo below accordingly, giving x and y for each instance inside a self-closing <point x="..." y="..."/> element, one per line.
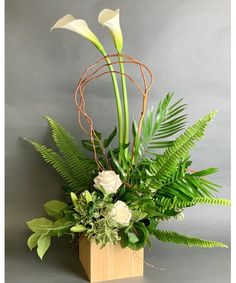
<point x="186" y="45"/>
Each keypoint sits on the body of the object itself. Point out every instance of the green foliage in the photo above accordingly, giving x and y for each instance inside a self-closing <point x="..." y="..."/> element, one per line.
<point x="100" y="144"/>
<point x="134" y="236"/>
<point x="55" y="208"/>
<point x="32" y="241"/>
<point x="164" y="166"/>
<point x="40" y="225"/>
<point x="187" y="187"/>
<point x="155" y="188"/>
<point x="173" y="237"/>
<point x="44" y="228"/>
<point x="163" y="123"/>
<point x="43" y="243"/>
<point x="69" y="162"/>
<point x="169" y="203"/>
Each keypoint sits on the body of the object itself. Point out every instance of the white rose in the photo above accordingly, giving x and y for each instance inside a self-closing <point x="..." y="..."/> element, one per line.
<point x="120" y="213"/>
<point x="108" y="180"/>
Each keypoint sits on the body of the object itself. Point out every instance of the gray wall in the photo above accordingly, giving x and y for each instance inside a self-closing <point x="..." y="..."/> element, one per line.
<point x="186" y="44"/>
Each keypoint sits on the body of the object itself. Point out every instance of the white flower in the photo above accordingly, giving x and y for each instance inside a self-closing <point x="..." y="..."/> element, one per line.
<point x="79" y="26"/>
<point x="111" y="20"/>
<point x="120" y="213"/>
<point x="108" y="180"/>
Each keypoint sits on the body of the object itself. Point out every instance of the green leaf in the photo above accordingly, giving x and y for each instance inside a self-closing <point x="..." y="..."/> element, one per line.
<point x="55" y="207"/>
<point x="110" y="138"/>
<point x="40" y="225"/>
<point x="57" y="162"/>
<point x="70" y="162"/>
<point x="205" y="172"/>
<point x="138" y="215"/>
<point x="61" y="223"/>
<point x="43" y="243"/>
<point x="132" y="237"/>
<point x="175" y="203"/>
<point x="32" y="241"/>
<point x="163" y="123"/>
<point x="62" y="226"/>
<point x="163" y="168"/>
<point x="141" y="232"/>
<point x="87" y="196"/>
<point x="173" y="237"/>
<point x="87" y="144"/>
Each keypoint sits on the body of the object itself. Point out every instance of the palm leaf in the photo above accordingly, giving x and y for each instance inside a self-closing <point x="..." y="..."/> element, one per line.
<point x="163" y="123"/>
<point x="173" y="237"/>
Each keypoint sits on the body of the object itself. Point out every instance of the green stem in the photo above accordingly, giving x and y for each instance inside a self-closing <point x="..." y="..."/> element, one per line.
<point x="126" y="106"/>
<point x="118" y="105"/>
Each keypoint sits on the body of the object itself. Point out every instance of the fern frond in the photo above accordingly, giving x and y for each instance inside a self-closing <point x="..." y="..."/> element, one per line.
<point x="173" y="237"/>
<point x="57" y="163"/>
<point x="79" y="164"/>
<point x="163" y="123"/>
<point x="174" y="203"/>
<point x="164" y="166"/>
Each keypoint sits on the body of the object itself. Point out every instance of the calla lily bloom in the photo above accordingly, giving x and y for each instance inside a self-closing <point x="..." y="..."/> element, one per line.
<point x="79" y="26"/>
<point x="111" y="20"/>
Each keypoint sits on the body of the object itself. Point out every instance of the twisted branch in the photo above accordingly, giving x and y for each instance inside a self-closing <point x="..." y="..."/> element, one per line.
<point x="94" y="71"/>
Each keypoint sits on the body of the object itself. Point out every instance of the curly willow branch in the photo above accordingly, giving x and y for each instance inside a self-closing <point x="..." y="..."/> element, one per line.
<point x="95" y="71"/>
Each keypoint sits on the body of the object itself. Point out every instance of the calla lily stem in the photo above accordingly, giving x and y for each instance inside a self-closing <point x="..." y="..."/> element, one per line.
<point x="126" y="106"/>
<point x="118" y="105"/>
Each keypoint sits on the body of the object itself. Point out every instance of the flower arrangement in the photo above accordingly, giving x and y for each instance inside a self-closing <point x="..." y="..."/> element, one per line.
<point x="123" y="192"/>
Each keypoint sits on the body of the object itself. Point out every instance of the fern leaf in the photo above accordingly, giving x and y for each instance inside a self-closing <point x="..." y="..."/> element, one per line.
<point x="164" y="167"/>
<point x="173" y="237"/>
<point x="57" y="163"/>
<point x="173" y="203"/>
<point x="79" y="165"/>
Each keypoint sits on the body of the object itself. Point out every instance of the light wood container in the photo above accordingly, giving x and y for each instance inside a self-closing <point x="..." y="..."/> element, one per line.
<point x="111" y="262"/>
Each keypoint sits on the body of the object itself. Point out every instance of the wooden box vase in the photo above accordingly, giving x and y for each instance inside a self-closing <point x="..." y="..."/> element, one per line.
<point x="111" y="262"/>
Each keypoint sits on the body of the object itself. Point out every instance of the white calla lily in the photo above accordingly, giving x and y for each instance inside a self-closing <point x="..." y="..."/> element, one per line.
<point x="78" y="26"/>
<point x="111" y="20"/>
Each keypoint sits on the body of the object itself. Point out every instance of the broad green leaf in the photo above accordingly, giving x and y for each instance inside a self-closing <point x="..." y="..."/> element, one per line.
<point x="132" y="237"/>
<point x="43" y="243"/>
<point x="54" y="207"/>
<point x="138" y="215"/>
<point x="60" y="223"/>
<point x="32" y="241"/>
<point x="62" y="226"/>
<point x="141" y="233"/>
<point x="40" y="225"/>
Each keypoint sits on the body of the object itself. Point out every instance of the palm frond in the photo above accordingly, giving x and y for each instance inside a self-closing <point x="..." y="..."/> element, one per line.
<point x="188" y="187"/>
<point x="165" y="165"/>
<point x="162" y="123"/>
<point x="173" y="237"/>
